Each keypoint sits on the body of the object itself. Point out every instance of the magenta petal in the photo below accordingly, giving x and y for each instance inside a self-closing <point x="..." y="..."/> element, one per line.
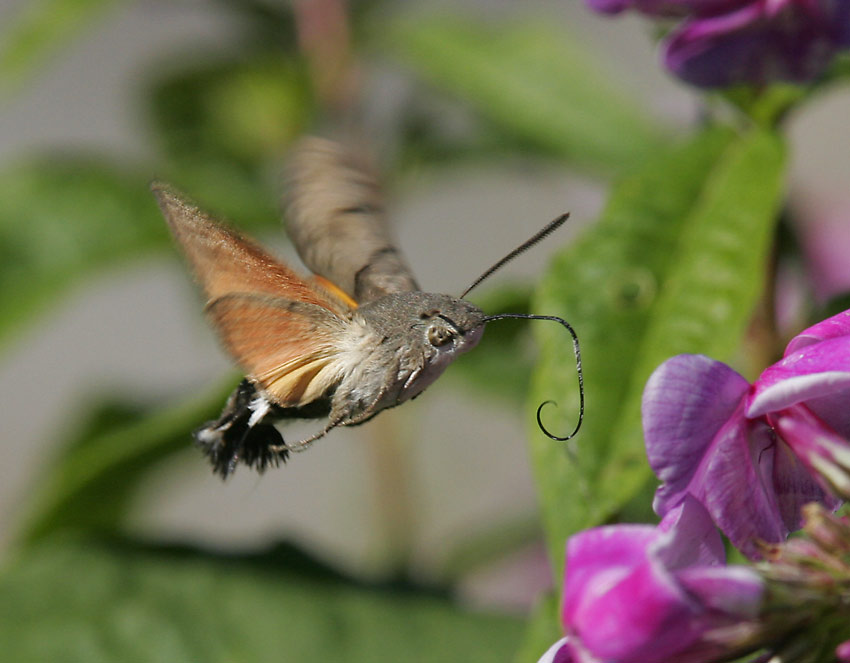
<point x="819" y="371"/>
<point x="607" y="552"/>
<point x="640" y="617"/>
<point x="685" y="403"/>
<point x="560" y="652"/>
<point x="609" y="6"/>
<point x="621" y="600"/>
<point x="837" y="325"/>
<point x="638" y="594"/>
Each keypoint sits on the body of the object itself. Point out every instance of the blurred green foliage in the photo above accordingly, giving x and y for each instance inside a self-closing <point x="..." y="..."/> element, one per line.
<point x="533" y="83"/>
<point x="675" y="264"/>
<point x="159" y="603"/>
<point x="37" y="31"/>
<point x="114" y="448"/>
<point x="63" y="219"/>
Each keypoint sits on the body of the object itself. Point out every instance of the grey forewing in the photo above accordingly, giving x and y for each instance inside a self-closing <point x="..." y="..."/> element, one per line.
<point x="334" y="215"/>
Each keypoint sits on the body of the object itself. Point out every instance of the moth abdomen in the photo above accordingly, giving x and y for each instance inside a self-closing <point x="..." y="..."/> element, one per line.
<point x="246" y="433"/>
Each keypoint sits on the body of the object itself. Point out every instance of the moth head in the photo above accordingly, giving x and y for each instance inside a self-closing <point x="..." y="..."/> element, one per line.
<point x="430" y="324"/>
<point x="451" y="325"/>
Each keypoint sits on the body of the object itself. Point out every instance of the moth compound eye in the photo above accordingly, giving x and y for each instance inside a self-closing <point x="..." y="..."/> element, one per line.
<point x="439" y="335"/>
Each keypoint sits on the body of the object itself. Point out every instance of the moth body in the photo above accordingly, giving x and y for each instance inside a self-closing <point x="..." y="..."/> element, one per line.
<point x="355" y="339"/>
<point x="390" y="351"/>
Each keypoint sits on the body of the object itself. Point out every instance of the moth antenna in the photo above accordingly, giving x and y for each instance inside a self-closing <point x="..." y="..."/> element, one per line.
<point x="576" y="351"/>
<point x="547" y="230"/>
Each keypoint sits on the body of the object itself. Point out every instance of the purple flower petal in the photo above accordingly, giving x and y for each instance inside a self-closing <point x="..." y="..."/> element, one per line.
<point x="757" y="43"/>
<point x="689" y="537"/>
<point x="735" y="590"/>
<point x="841" y="9"/>
<point x="727" y="42"/>
<point x="795" y="487"/>
<point x="742" y="485"/>
<point x="692" y="549"/>
<point x="664" y="7"/>
<point x="700" y="443"/>
<point x="637" y="594"/>
<point x="685" y="403"/>
<point x="714" y="7"/>
<point x="734" y="483"/>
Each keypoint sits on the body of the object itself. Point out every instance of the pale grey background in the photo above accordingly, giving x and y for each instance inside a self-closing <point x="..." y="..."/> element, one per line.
<point x="140" y="327"/>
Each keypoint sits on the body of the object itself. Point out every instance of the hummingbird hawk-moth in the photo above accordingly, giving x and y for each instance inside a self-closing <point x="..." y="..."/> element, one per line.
<point x="354" y="339"/>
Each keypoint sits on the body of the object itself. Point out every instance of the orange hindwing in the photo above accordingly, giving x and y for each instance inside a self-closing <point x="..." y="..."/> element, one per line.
<point x="284" y="331"/>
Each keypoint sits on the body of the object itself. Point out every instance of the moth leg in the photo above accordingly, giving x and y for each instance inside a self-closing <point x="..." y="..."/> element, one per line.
<point x="338" y="416"/>
<point x="285" y="447"/>
<point x="337" y="419"/>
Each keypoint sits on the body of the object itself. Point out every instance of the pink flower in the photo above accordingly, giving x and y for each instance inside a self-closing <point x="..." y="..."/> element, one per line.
<point x="643" y="594"/>
<point x="754" y="454"/>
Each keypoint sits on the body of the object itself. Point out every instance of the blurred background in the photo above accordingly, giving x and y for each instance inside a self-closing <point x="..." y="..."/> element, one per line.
<point x="487" y="122"/>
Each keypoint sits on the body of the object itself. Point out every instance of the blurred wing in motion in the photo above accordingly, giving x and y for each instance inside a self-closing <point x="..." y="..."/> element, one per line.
<point x="334" y="215"/>
<point x="283" y="331"/>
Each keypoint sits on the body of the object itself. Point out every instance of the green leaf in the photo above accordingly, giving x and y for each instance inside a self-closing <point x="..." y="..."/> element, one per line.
<point x="39" y="29"/>
<point x="532" y="81"/>
<point x="676" y="264"/>
<point x="97" y="603"/>
<point x="62" y="219"/>
<point x="91" y="483"/>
